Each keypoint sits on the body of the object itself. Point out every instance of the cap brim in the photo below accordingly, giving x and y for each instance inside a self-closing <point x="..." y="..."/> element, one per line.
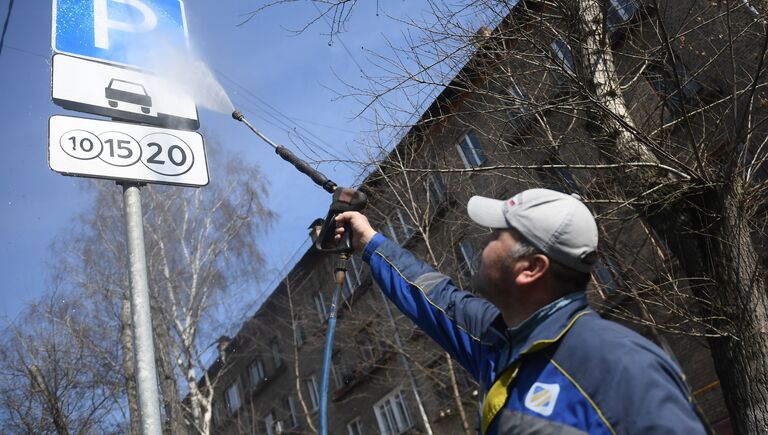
<point x="487" y="212"/>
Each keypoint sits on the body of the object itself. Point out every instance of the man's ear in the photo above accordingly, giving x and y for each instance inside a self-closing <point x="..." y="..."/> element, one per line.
<point x="532" y="269"/>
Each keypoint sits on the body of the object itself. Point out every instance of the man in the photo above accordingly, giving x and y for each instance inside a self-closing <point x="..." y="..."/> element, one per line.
<point x="546" y="362"/>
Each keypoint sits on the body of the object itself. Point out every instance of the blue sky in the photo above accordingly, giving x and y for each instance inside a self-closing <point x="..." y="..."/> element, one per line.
<point x="282" y="81"/>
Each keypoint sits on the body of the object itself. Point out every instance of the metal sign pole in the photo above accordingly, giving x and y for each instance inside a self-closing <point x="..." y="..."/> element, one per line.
<point x="144" y="348"/>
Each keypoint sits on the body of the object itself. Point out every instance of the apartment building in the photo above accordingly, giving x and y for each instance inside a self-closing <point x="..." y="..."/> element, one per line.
<point x="511" y="119"/>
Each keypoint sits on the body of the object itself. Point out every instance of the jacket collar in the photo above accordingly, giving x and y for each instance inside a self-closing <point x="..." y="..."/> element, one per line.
<point x="543" y="328"/>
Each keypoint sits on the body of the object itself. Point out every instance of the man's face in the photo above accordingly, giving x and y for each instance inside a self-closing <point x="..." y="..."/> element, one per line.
<point x="495" y="275"/>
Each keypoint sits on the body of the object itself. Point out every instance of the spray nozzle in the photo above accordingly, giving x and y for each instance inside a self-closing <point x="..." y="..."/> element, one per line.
<point x="238" y="115"/>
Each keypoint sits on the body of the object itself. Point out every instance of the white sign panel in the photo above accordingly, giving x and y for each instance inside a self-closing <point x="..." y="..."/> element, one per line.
<point x="114" y="150"/>
<point x="126" y="32"/>
<point x="122" y="93"/>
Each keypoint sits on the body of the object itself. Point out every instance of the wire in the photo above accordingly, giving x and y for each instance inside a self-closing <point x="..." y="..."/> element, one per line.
<point x="289" y="124"/>
<point x="31" y="53"/>
<point x="5" y="25"/>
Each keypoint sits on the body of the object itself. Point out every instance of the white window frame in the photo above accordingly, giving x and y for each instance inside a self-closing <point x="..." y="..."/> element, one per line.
<point x="607" y="274"/>
<point x="320" y="307"/>
<point x="355" y="427"/>
<point x="217" y="413"/>
<point x="292" y="414"/>
<point x="269" y="423"/>
<point x="392" y="413"/>
<point x="232" y="398"/>
<point x="624" y="9"/>
<point x="477" y="156"/>
<point x="391" y="230"/>
<point x="436" y="190"/>
<point x="561" y="49"/>
<point x="467" y="257"/>
<point x="299" y="331"/>
<point x="337" y="374"/>
<point x="354" y="274"/>
<point x="661" y="77"/>
<point x="400" y="226"/>
<point x="368" y="351"/>
<point x="520" y="111"/>
<point x="357" y="267"/>
<point x="256" y="372"/>
<point x="314" y="395"/>
<point x="349" y="286"/>
<point x="276" y="357"/>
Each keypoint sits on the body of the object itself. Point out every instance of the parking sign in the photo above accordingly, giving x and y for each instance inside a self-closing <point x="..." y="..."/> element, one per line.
<point x="126" y="32"/>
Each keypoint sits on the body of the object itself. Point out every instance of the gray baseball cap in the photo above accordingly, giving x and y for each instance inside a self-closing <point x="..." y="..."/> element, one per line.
<point x="559" y="225"/>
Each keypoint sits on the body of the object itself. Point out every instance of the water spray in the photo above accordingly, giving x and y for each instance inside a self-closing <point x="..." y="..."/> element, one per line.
<point x="343" y="199"/>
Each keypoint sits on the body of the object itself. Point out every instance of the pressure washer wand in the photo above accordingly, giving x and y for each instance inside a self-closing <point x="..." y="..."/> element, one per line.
<point x="286" y="154"/>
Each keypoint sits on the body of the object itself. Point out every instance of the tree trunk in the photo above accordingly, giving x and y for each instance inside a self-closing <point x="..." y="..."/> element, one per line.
<point x="169" y="388"/>
<point x="457" y="395"/>
<point x="51" y="400"/>
<point x="741" y="360"/>
<point x="708" y="230"/>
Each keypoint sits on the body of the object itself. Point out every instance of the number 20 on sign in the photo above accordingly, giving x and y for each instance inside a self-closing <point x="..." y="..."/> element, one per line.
<point x="162" y="153"/>
<point x="126" y="151"/>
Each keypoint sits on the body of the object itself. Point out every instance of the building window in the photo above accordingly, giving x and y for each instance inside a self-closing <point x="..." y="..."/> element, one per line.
<point x="563" y="55"/>
<point x="357" y="268"/>
<point x="354" y="276"/>
<point x="467" y="258"/>
<point x="349" y="285"/>
<point x="620" y="12"/>
<point x="558" y="178"/>
<point x="368" y="351"/>
<point x="298" y="332"/>
<point x="270" y="424"/>
<point x="399" y="226"/>
<point x="663" y="76"/>
<point x="218" y="414"/>
<point x="471" y="151"/>
<point x="232" y="398"/>
<point x="290" y="408"/>
<point x="608" y="275"/>
<point x="435" y="191"/>
<point x="256" y="372"/>
<point x="659" y="244"/>
<point x="355" y="427"/>
<point x="519" y="111"/>
<point x="392" y="414"/>
<point x="337" y="371"/>
<point x="314" y="395"/>
<point x="322" y="310"/>
<point x="276" y="357"/>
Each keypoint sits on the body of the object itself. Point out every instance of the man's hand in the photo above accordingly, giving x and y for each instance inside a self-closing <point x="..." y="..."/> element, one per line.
<point x="362" y="232"/>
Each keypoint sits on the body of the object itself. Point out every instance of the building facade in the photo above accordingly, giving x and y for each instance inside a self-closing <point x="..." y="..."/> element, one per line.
<point x="512" y="118"/>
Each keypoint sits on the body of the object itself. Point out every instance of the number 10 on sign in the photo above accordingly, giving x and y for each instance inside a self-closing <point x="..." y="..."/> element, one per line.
<point x="126" y="152"/>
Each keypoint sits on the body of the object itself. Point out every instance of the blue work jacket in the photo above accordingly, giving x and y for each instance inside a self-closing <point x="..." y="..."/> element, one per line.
<point x="574" y="373"/>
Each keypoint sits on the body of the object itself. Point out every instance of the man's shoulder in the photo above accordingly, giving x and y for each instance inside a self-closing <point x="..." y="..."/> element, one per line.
<point x="602" y="338"/>
<point x="626" y="376"/>
<point x="601" y="351"/>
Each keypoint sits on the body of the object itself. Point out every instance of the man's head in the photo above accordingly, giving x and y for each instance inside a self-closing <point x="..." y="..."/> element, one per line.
<point x="541" y="238"/>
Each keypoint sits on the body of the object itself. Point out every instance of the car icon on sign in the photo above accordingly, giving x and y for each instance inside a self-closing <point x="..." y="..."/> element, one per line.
<point x="127" y="92"/>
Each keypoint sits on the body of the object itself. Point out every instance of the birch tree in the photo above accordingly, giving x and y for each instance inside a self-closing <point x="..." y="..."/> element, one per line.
<point x="51" y="381"/>
<point x="202" y="250"/>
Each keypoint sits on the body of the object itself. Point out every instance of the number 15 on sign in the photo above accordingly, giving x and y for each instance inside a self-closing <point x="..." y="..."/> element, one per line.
<point x="104" y="149"/>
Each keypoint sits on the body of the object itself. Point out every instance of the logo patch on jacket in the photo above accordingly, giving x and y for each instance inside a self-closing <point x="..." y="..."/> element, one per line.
<point x="541" y="398"/>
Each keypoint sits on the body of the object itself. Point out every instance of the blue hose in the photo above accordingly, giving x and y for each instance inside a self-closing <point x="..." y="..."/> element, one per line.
<point x="327" y="356"/>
